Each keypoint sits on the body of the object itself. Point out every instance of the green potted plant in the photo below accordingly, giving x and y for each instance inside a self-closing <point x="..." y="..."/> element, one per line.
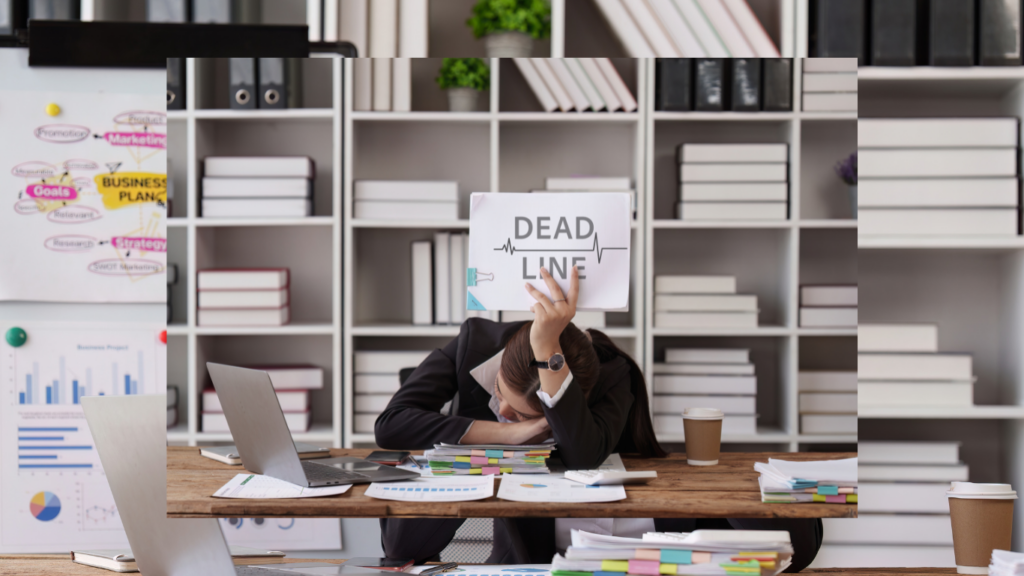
<point x="464" y="79"/>
<point x="510" y="26"/>
<point x="846" y="169"/>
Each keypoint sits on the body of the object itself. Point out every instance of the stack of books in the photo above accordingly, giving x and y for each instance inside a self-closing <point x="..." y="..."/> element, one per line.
<point x="291" y="384"/>
<point x="243" y="297"/>
<point x="406" y="200"/>
<point x="439" y="280"/>
<point x="938" y="176"/>
<point x="828" y="402"/>
<point x="580" y="84"/>
<point x="828" y="306"/>
<point x="904" y="517"/>
<point x="705" y="378"/>
<point x="733" y="182"/>
<point x="702" y="302"/>
<point x="712" y="552"/>
<point x="583" y="318"/>
<point x="900" y="365"/>
<point x="172" y="406"/>
<point x="824" y="481"/>
<point x="694" y="28"/>
<point x="376" y="381"/>
<point x="719" y="84"/>
<point x="830" y="85"/>
<point x="257" y="187"/>
<point x="460" y="459"/>
<point x="591" y="184"/>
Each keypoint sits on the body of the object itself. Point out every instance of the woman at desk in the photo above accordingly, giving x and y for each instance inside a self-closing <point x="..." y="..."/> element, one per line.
<point x="521" y="383"/>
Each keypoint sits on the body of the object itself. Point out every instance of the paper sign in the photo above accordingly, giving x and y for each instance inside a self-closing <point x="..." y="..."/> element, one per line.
<point x="512" y="235"/>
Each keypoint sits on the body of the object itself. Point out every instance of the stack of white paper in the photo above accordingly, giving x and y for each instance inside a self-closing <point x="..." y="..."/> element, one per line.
<point x="828" y="481"/>
<point x="702" y="302"/>
<point x="828" y="402"/>
<point x="830" y="85"/>
<point x="733" y="182"/>
<point x="828" y="306"/>
<point x="376" y="381"/>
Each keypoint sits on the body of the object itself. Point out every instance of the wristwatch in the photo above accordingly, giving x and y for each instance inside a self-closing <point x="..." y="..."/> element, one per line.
<point x="555" y="363"/>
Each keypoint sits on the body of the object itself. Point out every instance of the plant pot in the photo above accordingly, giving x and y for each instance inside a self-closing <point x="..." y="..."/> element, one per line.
<point x="462" y="99"/>
<point x="509" y="45"/>
<point x="853" y="200"/>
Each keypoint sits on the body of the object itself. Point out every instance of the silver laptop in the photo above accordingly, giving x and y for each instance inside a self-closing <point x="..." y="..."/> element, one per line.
<point x="131" y="440"/>
<point x="265" y="444"/>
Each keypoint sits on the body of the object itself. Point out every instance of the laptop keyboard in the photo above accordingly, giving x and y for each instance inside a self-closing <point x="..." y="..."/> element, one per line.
<point x="255" y="571"/>
<point x="322" y="473"/>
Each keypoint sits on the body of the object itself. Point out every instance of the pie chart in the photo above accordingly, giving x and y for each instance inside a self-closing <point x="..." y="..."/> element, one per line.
<point x="45" y="506"/>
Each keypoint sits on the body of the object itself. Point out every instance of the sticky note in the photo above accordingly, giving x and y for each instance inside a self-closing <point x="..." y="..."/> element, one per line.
<point x="668" y="569"/>
<point x="615" y="565"/>
<point x="701" y="557"/>
<point x="644" y="567"/>
<point x="462" y="465"/>
<point x="495" y="453"/>
<point x="851" y="498"/>
<point x="463" y="458"/>
<point x="828" y="490"/>
<point x="677" y="556"/>
<point x="474" y="471"/>
<point x="478" y="459"/>
<point x="818" y="498"/>
<point x="647" y="554"/>
<point x="491" y="470"/>
<point x="836" y="499"/>
<point x="476" y="452"/>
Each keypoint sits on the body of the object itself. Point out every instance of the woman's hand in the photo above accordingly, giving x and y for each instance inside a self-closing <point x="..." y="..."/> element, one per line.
<point x="551" y="315"/>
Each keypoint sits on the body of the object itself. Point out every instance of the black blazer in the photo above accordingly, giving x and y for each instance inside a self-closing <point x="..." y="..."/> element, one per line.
<point x="586" y="430"/>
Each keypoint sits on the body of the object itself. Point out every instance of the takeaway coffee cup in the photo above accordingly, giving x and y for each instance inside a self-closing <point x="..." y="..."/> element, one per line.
<point x="982" y="517"/>
<point x="703" y="430"/>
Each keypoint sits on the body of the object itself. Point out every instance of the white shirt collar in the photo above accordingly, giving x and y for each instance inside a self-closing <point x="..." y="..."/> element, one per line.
<point x="485" y="375"/>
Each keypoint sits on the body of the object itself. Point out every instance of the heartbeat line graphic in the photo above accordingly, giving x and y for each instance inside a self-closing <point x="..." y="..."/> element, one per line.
<point x="508" y="247"/>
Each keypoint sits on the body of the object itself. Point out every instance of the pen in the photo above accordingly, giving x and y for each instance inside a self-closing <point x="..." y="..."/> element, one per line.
<point x="446" y="567"/>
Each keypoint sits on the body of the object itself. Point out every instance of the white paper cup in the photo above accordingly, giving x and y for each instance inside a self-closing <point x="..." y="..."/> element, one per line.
<point x="982" y="520"/>
<point x="703" y="430"/>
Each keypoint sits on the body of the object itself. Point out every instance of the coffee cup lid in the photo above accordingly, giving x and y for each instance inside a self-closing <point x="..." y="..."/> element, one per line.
<point x="976" y="490"/>
<point x="702" y="414"/>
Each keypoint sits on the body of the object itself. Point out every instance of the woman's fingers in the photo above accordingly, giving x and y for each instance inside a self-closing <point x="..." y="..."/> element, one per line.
<point x="574" y="287"/>
<point x="539" y="297"/>
<point x="556" y="291"/>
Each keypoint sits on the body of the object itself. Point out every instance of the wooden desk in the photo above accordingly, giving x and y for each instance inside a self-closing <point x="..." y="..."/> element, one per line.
<point x="728" y="490"/>
<point x="61" y="565"/>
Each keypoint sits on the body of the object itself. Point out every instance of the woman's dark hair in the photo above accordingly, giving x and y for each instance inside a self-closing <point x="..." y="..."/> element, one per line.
<point x="584" y="357"/>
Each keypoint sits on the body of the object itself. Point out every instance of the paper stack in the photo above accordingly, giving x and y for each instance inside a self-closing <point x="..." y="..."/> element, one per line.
<point x="700" y="378"/>
<point x="828" y="306"/>
<point x="376" y="381"/>
<point x="828" y="402"/>
<point x="257" y="187"/>
<point x="938" y="176"/>
<point x="488" y="459"/>
<point x="830" y="481"/>
<point x="1006" y="563"/>
<point x="591" y="184"/>
<point x="406" y="200"/>
<point x="733" y="182"/>
<point x="900" y="365"/>
<point x="702" y="302"/>
<point x="243" y="297"/>
<point x="726" y="552"/>
<point x="564" y="84"/>
<point x="830" y="84"/>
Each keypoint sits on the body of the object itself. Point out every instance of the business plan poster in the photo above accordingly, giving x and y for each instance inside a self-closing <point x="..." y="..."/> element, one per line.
<point x="83" y="196"/>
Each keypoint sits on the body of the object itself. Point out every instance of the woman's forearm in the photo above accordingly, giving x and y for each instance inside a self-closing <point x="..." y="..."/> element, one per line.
<point x="484" y="432"/>
<point x="487" y="432"/>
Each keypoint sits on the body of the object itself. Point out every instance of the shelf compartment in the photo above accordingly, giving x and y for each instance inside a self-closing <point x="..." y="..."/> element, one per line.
<point x="822" y="194"/>
<point x="213" y="93"/>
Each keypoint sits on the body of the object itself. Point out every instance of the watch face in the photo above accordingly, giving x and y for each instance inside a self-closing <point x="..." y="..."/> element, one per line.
<point x="556" y="362"/>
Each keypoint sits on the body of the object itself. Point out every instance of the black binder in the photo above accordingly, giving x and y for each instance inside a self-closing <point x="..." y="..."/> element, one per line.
<point x="242" y="83"/>
<point x="673" y="89"/>
<point x="175" y="83"/>
<point x="777" y="84"/>
<point x="999" y="33"/>
<point x="951" y="32"/>
<point x="839" y="29"/>
<point x="273" y="75"/>
<point x="746" y="84"/>
<point x="711" y="92"/>
<point x="893" y="27"/>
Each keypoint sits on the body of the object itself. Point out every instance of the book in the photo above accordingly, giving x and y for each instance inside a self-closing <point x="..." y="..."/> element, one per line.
<point x="826" y="317"/>
<point x="918" y="393"/>
<point x="937" y="132"/>
<point x="830" y="102"/>
<point x="216" y="422"/>
<point x="672" y="404"/>
<point x="733" y="191"/>
<point x="362" y="83"/>
<point x="290" y="400"/>
<point x="710" y="86"/>
<point x="229" y="454"/>
<point x="755" y="34"/>
<point x="401" y="84"/>
<point x="705" y="319"/>
<point x="708" y="356"/>
<point x="294" y="377"/>
<point x="728" y="31"/>
<point x="588" y="183"/>
<point x="242" y="279"/>
<point x="547" y="74"/>
<point x="413" y="28"/>
<point x="938" y="193"/>
<point x="826" y="381"/>
<point x="892" y="473"/>
<point x="422" y="283"/>
<point x="314" y="19"/>
<point x="897" y="338"/>
<point x="999" y="33"/>
<point x="951" y="33"/>
<point x="243" y="317"/>
<point x="673" y="84"/>
<point x="330" y="20"/>
<point x="828" y="403"/>
<point x="937" y="222"/>
<point x="259" y="166"/>
<point x="830" y="82"/>
<point x="928" y="529"/>
<point x="625" y="28"/>
<point x="652" y="30"/>
<point x="828" y="424"/>
<point x="694" y="284"/>
<point x="375" y="403"/>
<point x="732" y="153"/>
<point x="566" y="79"/>
<point x="732" y="424"/>
<point x="413" y="190"/>
<point x="242" y="298"/>
<point x="837" y="29"/>
<point x="777" y="85"/>
<point x="257" y="207"/>
<point x="679" y="31"/>
<point x="353" y="24"/>
<point x="903" y="497"/>
<point x="731" y="210"/>
<point x="381" y="91"/>
<point x="829" y="64"/>
<point x="911" y="366"/>
<point x="706" y="369"/>
<point x="442" y="278"/>
<point x="683" y="384"/>
<point x="585" y="83"/>
<point x="383" y="30"/>
<point x="893" y="26"/>
<point x="604" y="88"/>
<point x="536" y="84"/>
<point x="457" y="270"/>
<point x="376" y="383"/>
<point x="733" y="172"/>
<point x="828" y="296"/>
<point x="364" y="423"/>
<point x="908" y="453"/>
<point x="611" y="75"/>
<point x="716" y="303"/>
<point x="386" y="362"/>
<point x="746" y="85"/>
<point x="257" y="187"/>
<point x="406" y="210"/>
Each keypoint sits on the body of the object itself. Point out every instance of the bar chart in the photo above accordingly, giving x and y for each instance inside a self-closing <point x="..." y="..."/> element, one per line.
<point x="126" y="381"/>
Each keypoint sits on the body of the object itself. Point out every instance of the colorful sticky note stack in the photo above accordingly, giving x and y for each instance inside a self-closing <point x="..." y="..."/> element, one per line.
<point x="828" y="481"/>
<point x="724" y="552"/>
<point x="447" y="459"/>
